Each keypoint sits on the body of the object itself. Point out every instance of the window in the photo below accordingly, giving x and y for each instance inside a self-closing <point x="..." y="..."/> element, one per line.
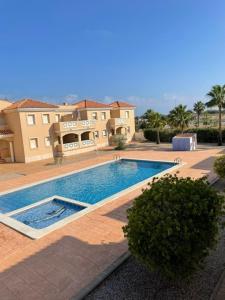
<point x="47" y="141"/>
<point x="30" y="119"/>
<point x="94" y="115"/>
<point x="57" y="118"/>
<point x="103" y="116"/>
<point x="96" y="134"/>
<point x="127" y="114"/>
<point x="104" y="133"/>
<point x="45" y="119"/>
<point x="33" y="143"/>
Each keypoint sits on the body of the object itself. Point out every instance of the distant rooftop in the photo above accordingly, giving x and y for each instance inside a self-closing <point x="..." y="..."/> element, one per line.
<point x="121" y="104"/>
<point x="91" y="104"/>
<point x="29" y="103"/>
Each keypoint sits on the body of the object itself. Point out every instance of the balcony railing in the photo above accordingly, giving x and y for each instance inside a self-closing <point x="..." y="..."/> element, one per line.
<point x="74" y="125"/>
<point x="87" y="143"/>
<point x="117" y="122"/>
<point x="75" y="145"/>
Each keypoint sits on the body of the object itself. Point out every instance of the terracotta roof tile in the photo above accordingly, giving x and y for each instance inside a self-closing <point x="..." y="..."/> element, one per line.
<point x="91" y="104"/>
<point x="5" y="131"/>
<point x="121" y="104"/>
<point x="29" y="103"/>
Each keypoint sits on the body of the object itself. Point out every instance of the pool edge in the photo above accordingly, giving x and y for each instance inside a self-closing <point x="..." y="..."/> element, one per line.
<point x="39" y="233"/>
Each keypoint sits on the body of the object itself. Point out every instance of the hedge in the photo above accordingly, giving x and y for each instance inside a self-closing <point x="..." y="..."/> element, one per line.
<point x="204" y="135"/>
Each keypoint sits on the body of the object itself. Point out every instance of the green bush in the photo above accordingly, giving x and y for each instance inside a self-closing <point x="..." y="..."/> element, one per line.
<point x="173" y="225"/>
<point x="120" y="142"/>
<point x="166" y="135"/>
<point x="219" y="166"/>
<point x="204" y="135"/>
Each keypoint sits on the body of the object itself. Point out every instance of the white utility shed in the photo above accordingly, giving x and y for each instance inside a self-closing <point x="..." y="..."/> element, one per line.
<point x="185" y="142"/>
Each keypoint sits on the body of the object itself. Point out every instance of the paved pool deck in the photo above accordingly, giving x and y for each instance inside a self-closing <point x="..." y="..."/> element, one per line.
<point x="65" y="261"/>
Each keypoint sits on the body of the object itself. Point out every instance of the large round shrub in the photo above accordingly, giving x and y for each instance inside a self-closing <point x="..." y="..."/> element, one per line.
<point x="219" y="166"/>
<point x="173" y="225"/>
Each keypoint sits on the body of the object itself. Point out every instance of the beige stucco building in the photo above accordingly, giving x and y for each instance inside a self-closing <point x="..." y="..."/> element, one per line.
<point x="33" y="130"/>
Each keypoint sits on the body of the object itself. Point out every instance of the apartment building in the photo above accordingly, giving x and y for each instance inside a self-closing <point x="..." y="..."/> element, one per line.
<point x="32" y="130"/>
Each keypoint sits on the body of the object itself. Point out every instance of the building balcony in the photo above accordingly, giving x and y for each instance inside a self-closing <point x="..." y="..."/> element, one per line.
<point x="74" y="145"/>
<point x="74" y="125"/>
<point x="87" y="143"/>
<point x="116" y="122"/>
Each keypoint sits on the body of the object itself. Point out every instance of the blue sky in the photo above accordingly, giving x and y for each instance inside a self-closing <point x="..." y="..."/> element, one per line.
<point x="154" y="54"/>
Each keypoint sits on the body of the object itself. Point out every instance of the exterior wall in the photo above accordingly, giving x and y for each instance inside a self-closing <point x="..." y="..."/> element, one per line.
<point x="39" y="131"/>
<point x="4" y="104"/>
<point x="4" y="149"/>
<point x="130" y="122"/>
<point x="13" y="122"/>
<point x="115" y="113"/>
<point x="101" y="125"/>
<point x="17" y="121"/>
<point x="2" y="120"/>
<point x="84" y="115"/>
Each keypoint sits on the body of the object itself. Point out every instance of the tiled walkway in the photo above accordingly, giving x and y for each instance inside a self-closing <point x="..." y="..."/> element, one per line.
<point x="58" y="265"/>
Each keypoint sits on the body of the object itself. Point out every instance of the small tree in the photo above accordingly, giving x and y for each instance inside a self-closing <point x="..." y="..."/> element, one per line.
<point x="219" y="166"/>
<point x="173" y="225"/>
<point x="120" y="141"/>
<point x="157" y="121"/>
<point x="199" y="107"/>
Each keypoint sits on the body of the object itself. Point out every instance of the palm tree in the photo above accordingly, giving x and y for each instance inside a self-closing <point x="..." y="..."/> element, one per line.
<point x="157" y="121"/>
<point x="199" y="107"/>
<point x="217" y="95"/>
<point x="147" y="113"/>
<point x="180" y="117"/>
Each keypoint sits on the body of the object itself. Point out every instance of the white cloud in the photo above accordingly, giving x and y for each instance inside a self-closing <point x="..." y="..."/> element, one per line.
<point x="71" y="98"/>
<point x="175" y="99"/>
<point x="108" y="99"/>
<point x="141" y="103"/>
<point x="47" y="99"/>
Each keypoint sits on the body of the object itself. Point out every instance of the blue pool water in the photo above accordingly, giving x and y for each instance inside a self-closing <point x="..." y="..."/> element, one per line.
<point x="89" y="186"/>
<point x="47" y="214"/>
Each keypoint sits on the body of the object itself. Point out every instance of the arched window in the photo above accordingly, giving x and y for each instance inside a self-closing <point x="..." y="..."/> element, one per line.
<point x="70" y="138"/>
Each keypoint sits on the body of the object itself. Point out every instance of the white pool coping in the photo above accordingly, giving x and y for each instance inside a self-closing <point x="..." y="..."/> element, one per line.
<point x="38" y="233"/>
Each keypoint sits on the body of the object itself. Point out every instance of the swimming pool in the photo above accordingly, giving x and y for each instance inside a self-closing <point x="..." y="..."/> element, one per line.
<point x="88" y="186"/>
<point x="34" y="210"/>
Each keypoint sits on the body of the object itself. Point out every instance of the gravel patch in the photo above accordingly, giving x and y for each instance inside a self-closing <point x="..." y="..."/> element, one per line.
<point x="134" y="282"/>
